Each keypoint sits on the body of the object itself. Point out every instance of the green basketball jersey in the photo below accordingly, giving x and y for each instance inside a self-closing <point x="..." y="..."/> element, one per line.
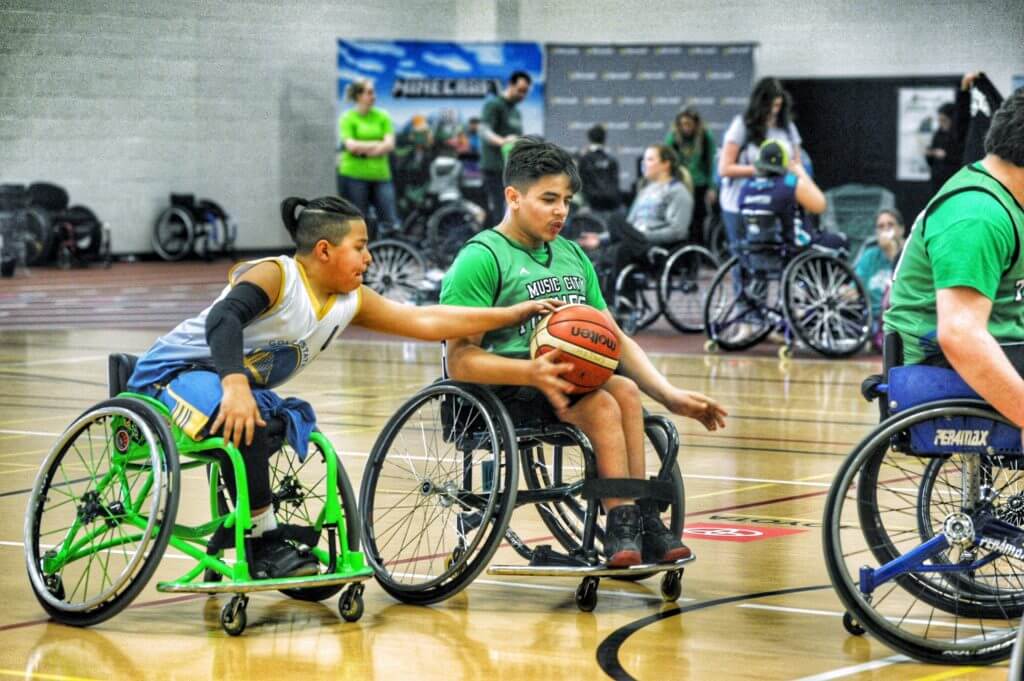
<point x="970" y="235"/>
<point x="492" y="270"/>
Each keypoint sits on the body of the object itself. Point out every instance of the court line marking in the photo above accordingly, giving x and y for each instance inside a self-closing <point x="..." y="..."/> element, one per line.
<point x="856" y="669"/>
<point x="22" y="674"/>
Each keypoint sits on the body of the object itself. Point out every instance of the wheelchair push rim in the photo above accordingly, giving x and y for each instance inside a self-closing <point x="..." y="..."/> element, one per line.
<point x="737" y="322"/>
<point x="872" y="521"/>
<point x="826" y="304"/>
<point x="174" y="233"/>
<point x="684" y="285"/>
<point x="397" y="270"/>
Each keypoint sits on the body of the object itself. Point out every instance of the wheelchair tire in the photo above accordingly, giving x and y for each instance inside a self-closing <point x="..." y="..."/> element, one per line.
<point x="546" y="469"/>
<point x="448" y="228"/>
<point x="113" y="523"/>
<point x="814" y="293"/>
<point x="397" y="270"/>
<point x="35" y="232"/>
<point x="870" y="513"/>
<point x="174" y="233"/>
<point x="447" y="462"/>
<point x="684" y="285"/>
<point x="299" y="490"/>
<point x="635" y="301"/>
<point x="736" y="322"/>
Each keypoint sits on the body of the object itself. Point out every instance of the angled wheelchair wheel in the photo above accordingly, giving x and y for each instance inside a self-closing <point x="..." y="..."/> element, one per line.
<point x="826" y="305"/>
<point x="635" y="299"/>
<point x="955" y="602"/>
<point x="101" y="512"/>
<point x="438" y="491"/>
<point x="34" y="229"/>
<point x="683" y="286"/>
<point x="448" y="228"/>
<point x="299" y="495"/>
<point x="547" y="466"/>
<point x="397" y="270"/>
<point x="174" y="233"/>
<point x="739" y="310"/>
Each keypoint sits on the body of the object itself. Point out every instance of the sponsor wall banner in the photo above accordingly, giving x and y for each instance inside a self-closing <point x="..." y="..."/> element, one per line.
<point x="918" y="121"/>
<point x="440" y="79"/>
<point x="637" y="90"/>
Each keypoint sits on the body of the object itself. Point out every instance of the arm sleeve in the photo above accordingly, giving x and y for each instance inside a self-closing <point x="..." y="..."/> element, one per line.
<point x="473" y="279"/>
<point x="225" y="321"/>
<point x="967" y="243"/>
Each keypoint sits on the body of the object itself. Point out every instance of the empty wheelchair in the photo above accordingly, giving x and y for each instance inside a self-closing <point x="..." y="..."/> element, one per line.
<point x="443" y="480"/>
<point x="188" y="226"/>
<point x="808" y="294"/>
<point x="105" y="507"/>
<point x="924" y="524"/>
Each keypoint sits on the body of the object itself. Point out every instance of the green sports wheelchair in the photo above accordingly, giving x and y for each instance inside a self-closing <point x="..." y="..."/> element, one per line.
<point x="105" y="506"/>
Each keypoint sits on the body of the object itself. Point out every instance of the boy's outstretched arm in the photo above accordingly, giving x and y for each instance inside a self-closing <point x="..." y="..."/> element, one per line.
<point x="441" y="322"/>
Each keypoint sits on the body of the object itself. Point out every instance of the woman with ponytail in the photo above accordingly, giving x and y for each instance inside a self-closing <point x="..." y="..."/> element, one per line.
<point x="216" y="371"/>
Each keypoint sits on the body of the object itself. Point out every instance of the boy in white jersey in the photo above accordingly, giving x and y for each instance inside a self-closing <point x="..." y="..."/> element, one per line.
<point x="275" y="316"/>
<point x="524" y="258"/>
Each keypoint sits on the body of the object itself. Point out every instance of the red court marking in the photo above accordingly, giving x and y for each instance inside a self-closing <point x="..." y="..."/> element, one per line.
<point x="165" y="601"/>
<point x="735" y="533"/>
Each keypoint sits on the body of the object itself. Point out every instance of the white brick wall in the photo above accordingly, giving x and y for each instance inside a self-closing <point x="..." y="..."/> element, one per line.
<point x="125" y="101"/>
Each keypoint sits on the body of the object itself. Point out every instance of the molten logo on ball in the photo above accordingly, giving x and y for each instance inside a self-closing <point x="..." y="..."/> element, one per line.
<point x="586" y="340"/>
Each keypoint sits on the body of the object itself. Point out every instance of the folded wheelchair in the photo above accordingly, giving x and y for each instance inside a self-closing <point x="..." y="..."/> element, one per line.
<point x="443" y="480"/>
<point x="808" y="294"/>
<point x="924" y="524"/>
<point x="104" y="508"/>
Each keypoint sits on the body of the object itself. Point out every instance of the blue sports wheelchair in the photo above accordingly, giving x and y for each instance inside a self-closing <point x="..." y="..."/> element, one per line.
<point x="807" y="293"/>
<point x="924" y="523"/>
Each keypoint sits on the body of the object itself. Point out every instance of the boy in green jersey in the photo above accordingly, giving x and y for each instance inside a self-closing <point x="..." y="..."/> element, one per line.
<point x="958" y="290"/>
<point x="524" y="258"/>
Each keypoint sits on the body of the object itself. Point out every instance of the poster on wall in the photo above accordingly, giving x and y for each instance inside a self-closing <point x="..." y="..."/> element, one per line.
<point x="918" y="121"/>
<point x="635" y="91"/>
<point x="432" y="91"/>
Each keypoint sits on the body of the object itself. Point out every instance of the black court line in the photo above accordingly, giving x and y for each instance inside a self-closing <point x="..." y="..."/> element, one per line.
<point x="44" y="377"/>
<point x="608" y="650"/>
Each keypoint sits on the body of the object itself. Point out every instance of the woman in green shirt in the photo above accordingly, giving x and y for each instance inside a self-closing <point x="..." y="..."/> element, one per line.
<point x="694" y="145"/>
<point x="366" y="137"/>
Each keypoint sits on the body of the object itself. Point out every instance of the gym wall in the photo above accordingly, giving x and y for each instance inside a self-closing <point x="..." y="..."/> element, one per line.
<point x="123" y="102"/>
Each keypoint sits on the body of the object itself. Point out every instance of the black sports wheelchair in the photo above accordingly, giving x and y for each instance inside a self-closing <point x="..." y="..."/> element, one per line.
<point x="924" y="523"/>
<point x="443" y="479"/>
<point x="770" y="285"/>
<point x="672" y="280"/>
<point x="188" y="226"/>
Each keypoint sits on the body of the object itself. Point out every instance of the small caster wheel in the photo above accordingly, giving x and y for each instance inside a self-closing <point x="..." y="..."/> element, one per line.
<point x="350" y="605"/>
<point x="851" y="625"/>
<point x="586" y="594"/>
<point x="671" y="586"/>
<point x="710" y="346"/>
<point x="455" y="559"/>
<point x="232" y="616"/>
<point x="785" y="352"/>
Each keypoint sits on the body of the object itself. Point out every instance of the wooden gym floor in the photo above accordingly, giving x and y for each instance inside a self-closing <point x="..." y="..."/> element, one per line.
<point x="760" y="608"/>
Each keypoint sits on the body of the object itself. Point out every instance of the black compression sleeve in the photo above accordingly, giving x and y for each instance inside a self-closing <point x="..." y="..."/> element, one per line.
<point x="225" y="322"/>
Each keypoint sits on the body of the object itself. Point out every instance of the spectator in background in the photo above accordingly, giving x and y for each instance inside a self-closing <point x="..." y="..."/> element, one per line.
<point x="767" y="116"/>
<point x="500" y="125"/>
<point x="694" y="145"/>
<point x="876" y="263"/>
<point x="945" y="152"/>
<point x="367" y="136"/>
<point x="976" y="101"/>
<point x="599" y="172"/>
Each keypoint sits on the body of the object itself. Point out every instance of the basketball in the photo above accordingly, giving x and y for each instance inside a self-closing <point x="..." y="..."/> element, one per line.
<point x="586" y="340"/>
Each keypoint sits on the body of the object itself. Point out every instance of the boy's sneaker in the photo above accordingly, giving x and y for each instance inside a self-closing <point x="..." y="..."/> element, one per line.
<point x="622" y="536"/>
<point x="273" y="559"/>
<point x="660" y="544"/>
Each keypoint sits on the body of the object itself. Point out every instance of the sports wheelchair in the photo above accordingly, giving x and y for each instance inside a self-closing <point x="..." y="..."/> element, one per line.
<point x="187" y="225"/>
<point x="809" y="294"/>
<point x="104" y="507"/>
<point x="442" y="481"/>
<point x="924" y="523"/>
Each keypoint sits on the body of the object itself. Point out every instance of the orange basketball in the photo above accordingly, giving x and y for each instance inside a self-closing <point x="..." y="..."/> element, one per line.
<point x="586" y="340"/>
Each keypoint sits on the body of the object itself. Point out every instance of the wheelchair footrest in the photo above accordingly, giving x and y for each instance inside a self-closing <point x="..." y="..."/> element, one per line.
<point x="246" y="586"/>
<point x="599" y="570"/>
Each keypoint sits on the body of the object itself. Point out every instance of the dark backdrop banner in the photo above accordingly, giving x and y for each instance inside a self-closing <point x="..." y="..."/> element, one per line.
<point x="636" y="91"/>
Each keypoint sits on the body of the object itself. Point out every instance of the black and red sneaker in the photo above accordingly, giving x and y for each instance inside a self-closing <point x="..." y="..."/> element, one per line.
<point x="622" y="536"/>
<point x="660" y="544"/>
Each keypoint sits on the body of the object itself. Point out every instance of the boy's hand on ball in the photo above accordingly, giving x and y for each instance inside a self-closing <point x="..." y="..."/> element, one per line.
<point x="547" y="372"/>
<point x="698" y="407"/>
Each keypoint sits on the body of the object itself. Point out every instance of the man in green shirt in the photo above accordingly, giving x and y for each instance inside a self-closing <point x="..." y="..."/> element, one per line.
<point x="958" y="290"/>
<point x="524" y="258"/>
<point x="500" y="124"/>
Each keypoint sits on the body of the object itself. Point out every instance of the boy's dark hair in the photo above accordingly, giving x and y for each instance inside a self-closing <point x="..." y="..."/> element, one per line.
<point x="1005" y="137"/>
<point x="328" y="217"/>
<point x="597" y="134"/>
<point x="532" y="158"/>
<point x="516" y="76"/>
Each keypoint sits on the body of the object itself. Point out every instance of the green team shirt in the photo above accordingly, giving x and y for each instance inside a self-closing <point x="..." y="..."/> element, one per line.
<point x="492" y="270"/>
<point x="502" y="117"/>
<point x="369" y="128"/>
<point x="970" y="235"/>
